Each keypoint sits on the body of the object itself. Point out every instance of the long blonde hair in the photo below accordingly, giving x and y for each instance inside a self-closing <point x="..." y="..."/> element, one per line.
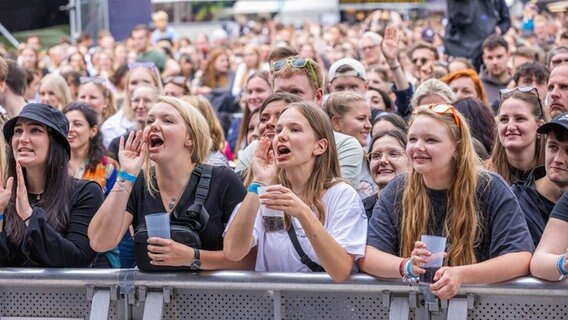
<point x="326" y="165"/>
<point x="462" y="225"/>
<point x="197" y="129"/>
<point x="498" y="162"/>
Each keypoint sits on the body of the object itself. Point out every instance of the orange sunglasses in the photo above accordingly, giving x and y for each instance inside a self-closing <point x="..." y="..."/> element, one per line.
<point x="442" y="109"/>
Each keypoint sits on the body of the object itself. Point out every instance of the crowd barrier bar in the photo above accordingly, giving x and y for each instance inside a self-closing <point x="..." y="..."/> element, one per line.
<point x="130" y="294"/>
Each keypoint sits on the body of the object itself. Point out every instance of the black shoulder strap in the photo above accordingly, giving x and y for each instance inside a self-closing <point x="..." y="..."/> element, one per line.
<point x="195" y="214"/>
<point x="303" y="256"/>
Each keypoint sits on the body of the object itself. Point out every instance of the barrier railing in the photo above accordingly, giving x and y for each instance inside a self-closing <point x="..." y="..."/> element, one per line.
<point x="130" y="294"/>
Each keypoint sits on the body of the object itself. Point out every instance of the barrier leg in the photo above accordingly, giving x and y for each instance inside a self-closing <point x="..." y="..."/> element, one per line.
<point x="399" y="309"/>
<point x="457" y="309"/>
<point x="100" y="305"/>
<point x="277" y="298"/>
<point x="154" y="306"/>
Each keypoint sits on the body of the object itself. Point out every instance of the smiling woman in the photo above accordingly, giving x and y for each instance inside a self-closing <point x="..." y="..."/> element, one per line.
<point x="446" y="192"/>
<point x="45" y="211"/>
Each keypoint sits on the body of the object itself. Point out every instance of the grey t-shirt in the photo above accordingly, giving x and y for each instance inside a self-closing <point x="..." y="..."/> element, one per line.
<point x="504" y="226"/>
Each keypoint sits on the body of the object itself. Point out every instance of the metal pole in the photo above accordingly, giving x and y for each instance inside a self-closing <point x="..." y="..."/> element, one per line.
<point x="9" y="36"/>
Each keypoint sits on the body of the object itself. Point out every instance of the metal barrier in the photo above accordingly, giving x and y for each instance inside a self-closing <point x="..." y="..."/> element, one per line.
<point x="130" y="294"/>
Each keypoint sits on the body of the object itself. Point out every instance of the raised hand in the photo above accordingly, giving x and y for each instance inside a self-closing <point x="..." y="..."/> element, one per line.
<point x="131" y="152"/>
<point x="22" y="203"/>
<point x="263" y="164"/>
<point x="389" y="45"/>
<point x="5" y="194"/>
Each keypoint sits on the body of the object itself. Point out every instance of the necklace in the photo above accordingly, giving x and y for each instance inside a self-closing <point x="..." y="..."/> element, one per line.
<point x="172" y="203"/>
<point x="36" y="195"/>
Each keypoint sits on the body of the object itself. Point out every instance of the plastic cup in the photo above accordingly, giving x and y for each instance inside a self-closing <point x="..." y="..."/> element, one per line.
<point x="158" y="225"/>
<point x="437" y="246"/>
<point x="273" y="220"/>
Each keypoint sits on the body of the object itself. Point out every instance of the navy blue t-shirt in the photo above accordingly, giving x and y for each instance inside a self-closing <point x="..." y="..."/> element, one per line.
<point x="504" y="226"/>
<point x="560" y="210"/>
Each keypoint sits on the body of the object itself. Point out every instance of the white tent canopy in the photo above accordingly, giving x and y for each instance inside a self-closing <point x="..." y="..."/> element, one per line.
<point x="288" y="6"/>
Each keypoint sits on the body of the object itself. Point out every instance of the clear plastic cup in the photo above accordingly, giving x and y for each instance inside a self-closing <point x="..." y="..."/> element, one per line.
<point x="273" y="220"/>
<point x="437" y="246"/>
<point x="158" y="225"/>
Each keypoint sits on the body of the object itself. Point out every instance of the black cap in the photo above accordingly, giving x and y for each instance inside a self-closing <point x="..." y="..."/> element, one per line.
<point x="44" y="114"/>
<point x="560" y="121"/>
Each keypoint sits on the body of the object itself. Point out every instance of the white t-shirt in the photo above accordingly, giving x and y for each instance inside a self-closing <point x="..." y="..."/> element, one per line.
<point x="345" y="221"/>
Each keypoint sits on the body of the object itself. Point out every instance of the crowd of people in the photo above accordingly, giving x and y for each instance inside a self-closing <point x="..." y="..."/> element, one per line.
<point x="366" y="136"/>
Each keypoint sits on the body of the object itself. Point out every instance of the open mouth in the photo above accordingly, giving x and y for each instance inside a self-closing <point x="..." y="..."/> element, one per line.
<point x="282" y="150"/>
<point x="156" y="141"/>
<point x="385" y="171"/>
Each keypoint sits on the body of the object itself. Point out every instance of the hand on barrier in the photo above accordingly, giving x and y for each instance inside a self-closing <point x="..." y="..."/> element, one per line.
<point x="447" y="281"/>
<point x="131" y="152"/>
<point x="166" y="252"/>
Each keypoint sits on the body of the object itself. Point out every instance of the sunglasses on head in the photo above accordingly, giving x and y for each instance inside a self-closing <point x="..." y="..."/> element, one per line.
<point x="506" y="93"/>
<point x="298" y="63"/>
<point x="442" y="109"/>
<point x="177" y="80"/>
<point x="147" y="65"/>
<point x="97" y="80"/>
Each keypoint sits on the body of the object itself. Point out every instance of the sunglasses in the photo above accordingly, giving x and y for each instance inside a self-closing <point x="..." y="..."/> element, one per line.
<point x="506" y="93"/>
<point x="298" y="63"/>
<point x="147" y="65"/>
<point x="97" y="80"/>
<point x="442" y="109"/>
<point x="177" y="80"/>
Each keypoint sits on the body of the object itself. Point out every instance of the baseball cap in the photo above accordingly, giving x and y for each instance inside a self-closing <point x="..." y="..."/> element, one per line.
<point x="560" y="121"/>
<point x="358" y="69"/>
<point x="46" y="115"/>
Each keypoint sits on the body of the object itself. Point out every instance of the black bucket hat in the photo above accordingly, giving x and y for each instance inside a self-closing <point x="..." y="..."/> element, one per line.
<point x="46" y="115"/>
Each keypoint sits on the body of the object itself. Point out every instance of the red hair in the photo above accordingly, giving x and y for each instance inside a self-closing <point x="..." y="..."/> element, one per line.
<point x="468" y="73"/>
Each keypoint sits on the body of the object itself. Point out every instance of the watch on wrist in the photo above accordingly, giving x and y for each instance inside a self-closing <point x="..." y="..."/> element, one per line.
<point x="196" y="262"/>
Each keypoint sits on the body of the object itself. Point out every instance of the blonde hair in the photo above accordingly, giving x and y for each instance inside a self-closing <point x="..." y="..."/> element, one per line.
<point x="326" y="166"/>
<point x="498" y="162"/>
<point x="155" y="74"/>
<point x="215" y="128"/>
<point x="107" y="95"/>
<point x="339" y="103"/>
<point x="196" y="128"/>
<point x="433" y="86"/>
<point x="462" y="225"/>
<point x="59" y="86"/>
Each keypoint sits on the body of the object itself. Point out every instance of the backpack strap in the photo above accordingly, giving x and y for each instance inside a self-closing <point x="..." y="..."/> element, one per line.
<point x="303" y="256"/>
<point x="195" y="214"/>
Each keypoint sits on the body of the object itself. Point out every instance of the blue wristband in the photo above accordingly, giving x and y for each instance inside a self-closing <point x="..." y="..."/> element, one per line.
<point x="409" y="269"/>
<point x="127" y="176"/>
<point x="1" y="216"/>
<point x="254" y="188"/>
<point x="561" y="266"/>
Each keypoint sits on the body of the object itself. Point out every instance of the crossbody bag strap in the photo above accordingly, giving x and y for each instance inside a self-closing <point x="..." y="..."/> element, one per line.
<point x="186" y="212"/>
<point x="303" y="256"/>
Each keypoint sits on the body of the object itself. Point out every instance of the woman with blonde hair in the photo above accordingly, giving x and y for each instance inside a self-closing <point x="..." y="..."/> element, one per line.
<point x="216" y="156"/>
<point x="156" y="167"/>
<point x="432" y="91"/>
<point x="323" y="214"/>
<point x="518" y="147"/>
<point x="94" y="91"/>
<point x="252" y="62"/>
<point x="447" y="193"/>
<point x="124" y="121"/>
<point x="53" y="90"/>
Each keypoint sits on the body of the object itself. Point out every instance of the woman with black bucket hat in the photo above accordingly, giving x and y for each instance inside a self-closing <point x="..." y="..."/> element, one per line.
<point x="44" y="212"/>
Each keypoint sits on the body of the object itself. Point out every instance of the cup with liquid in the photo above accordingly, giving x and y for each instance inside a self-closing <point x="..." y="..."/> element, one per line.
<point x="273" y="220"/>
<point x="437" y="246"/>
